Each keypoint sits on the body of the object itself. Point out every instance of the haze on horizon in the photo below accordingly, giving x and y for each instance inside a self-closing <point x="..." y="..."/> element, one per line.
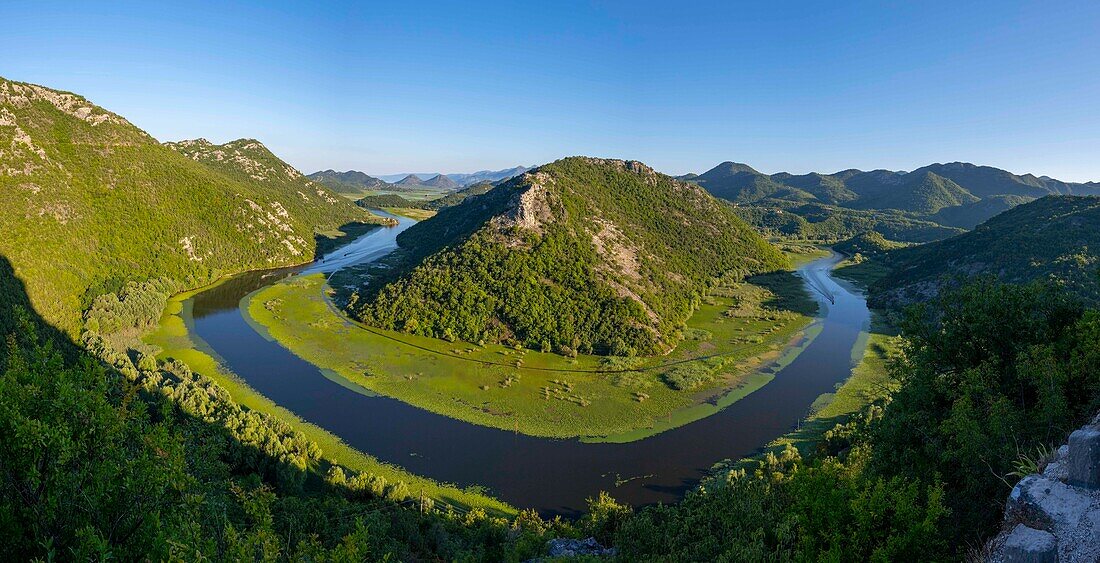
<point x="456" y="88"/>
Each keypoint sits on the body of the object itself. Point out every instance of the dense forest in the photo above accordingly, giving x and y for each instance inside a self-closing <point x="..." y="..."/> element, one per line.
<point x="992" y="376"/>
<point x="579" y="256"/>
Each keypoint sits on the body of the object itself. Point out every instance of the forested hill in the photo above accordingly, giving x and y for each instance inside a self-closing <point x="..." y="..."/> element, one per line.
<point x="91" y="201"/>
<point x="250" y="162"/>
<point x="1055" y="238"/>
<point x="580" y="255"/>
<point x="869" y="243"/>
<point x="350" y="182"/>
<point x="903" y="205"/>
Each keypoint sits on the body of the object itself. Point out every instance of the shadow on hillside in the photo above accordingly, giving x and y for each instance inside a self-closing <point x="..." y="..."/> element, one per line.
<point x="790" y="293"/>
<point x="17" y="315"/>
<point x="22" y="328"/>
<point x="351" y="231"/>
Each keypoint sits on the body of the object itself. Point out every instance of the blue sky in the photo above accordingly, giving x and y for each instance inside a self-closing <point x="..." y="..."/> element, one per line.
<point x="461" y="86"/>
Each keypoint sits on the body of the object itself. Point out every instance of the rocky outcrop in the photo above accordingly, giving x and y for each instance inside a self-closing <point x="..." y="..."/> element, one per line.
<point x="1055" y="515"/>
<point x="567" y="547"/>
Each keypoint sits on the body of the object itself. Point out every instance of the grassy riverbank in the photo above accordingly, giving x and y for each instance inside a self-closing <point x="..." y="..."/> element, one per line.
<point x="411" y="212"/>
<point x="174" y="339"/>
<point x="737" y="329"/>
<point x="870" y="381"/>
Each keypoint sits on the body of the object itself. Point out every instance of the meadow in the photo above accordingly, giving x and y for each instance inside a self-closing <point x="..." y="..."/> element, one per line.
<point x="411" y="212"/>
<point x="738" y="328"/>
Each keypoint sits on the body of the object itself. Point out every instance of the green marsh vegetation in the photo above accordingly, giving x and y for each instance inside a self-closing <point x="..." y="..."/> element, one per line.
<point x="736" y="328"/>
<point x="455" y="198"/>
<point x="411" y="212"/>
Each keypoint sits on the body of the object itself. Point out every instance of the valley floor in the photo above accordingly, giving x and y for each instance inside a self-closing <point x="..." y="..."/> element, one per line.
<point x="737" y="329"/>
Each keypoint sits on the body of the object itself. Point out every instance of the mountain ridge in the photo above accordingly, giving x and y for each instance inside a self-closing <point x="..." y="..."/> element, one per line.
<point x="95" y="201"/>
<point x="464" y="179"/>
<point x="955" y="194"/>
<point x="348" y="182"/>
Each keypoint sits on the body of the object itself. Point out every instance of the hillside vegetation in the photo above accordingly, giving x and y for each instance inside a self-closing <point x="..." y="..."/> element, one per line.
<point x="581" y="255"/>
<point x="455" y="198"/>
<point x="817" y="221"/>
<point x="384" y="200"/>
<point x="866" y="244"/>
<point x="91" y="201"/>
<point x="930" y="203"/>
<point x="351" y="182"/>
<point x="1056" y="239"/>
<point x="920" y="193"/>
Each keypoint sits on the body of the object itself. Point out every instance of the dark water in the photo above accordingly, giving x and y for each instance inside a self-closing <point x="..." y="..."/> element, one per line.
<point x="552" y="476"/>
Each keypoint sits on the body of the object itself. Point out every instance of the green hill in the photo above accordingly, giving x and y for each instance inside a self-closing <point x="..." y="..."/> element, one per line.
<point x="985" y="181"/>
<point x="410" y="180"/>
<point x="927" y="204"/>
<point x="384" y="200"/>
<point x="740" y="183"/>
<point x="582" y="254"/>
<point x="1054" y="238"/>
<point x="817" y="221"/>
<point x="351" y="182"/>
<point x="828" y="189"/>
<point x="919" y="192"/>
<point x="455" y="198"/>
<point x="442" y="182"/>
<point x="971" y="215"/>
<point x="867" y="244"/>
<point x="91" y="201"/>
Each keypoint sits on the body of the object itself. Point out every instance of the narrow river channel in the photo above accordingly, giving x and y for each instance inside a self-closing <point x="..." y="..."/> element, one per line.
<point x="551" y="476"/>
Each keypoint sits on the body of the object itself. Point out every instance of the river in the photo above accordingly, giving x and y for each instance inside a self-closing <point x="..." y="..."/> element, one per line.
<point x="551" y="476"/>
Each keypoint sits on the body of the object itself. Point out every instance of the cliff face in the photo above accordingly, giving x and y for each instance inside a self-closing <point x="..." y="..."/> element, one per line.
<point x="1055" y="515"/>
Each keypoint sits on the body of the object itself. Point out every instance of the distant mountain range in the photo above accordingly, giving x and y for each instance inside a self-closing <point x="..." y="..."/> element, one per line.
<point x="439" y="181"/>
<point x="350" y="182"/>
<point x="353" y="183"/>
<point x="442" y="182"/>
<point x="462" y="179"/>
<point x="956" y="194"/>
